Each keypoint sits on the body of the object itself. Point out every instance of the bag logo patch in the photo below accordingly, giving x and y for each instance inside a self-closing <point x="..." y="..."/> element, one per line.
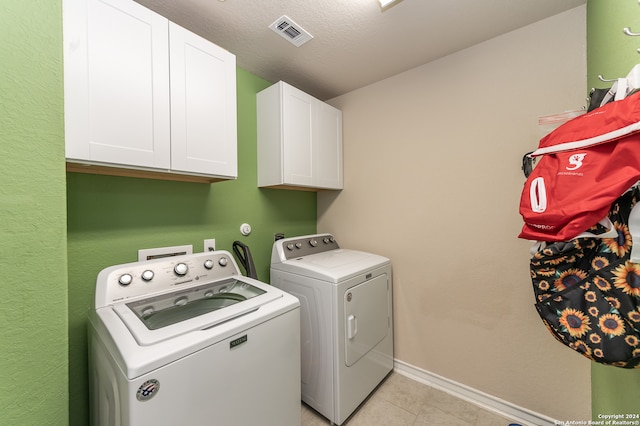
<point x="576" y="161"/>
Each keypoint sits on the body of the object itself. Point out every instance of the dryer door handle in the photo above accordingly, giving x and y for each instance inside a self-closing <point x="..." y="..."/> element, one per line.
<point x="352" y="326"/>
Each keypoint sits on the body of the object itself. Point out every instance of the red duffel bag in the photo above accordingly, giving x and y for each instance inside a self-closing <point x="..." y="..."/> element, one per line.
<point x="586" y="164"/>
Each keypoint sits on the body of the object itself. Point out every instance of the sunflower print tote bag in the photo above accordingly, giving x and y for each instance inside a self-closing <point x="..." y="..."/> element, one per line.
<point x="588" y="292"/>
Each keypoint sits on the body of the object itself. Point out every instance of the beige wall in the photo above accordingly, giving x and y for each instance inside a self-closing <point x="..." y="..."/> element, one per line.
<point x="433" y="181"/>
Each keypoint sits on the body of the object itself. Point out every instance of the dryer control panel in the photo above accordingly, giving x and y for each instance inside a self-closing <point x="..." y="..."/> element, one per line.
<point x="290" y="248"/>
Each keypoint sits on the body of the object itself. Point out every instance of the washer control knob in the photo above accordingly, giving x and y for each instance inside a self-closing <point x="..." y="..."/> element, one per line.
<point x="313" y="242"/>
<point x="181" y="269"/>
<point x="147" y="275"/>
<point x="223" y="261"/>
<point x="326" y="240"/>
<point x="125" y="279"/>
<point x="298" y="245"/>
<point x="290" y="246"/>
<point x="208" y="264"/>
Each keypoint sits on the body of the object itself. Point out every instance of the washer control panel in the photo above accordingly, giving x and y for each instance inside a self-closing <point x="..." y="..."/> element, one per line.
<point x="131" y="280"/>
<point x="290" y="248"/>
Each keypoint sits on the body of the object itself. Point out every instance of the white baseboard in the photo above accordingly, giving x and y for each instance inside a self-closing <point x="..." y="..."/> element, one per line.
<point x="488" y="402"/>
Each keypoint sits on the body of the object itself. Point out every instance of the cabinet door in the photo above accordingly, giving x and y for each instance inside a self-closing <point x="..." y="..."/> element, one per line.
<point x="116" y="83"/>
<point x="327" y="147"/>
<point x="298" y="111"/>
<point x="203" y="105"/>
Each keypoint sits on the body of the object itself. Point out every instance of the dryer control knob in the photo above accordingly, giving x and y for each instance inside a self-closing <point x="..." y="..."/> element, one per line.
<point x="298" y="245"/>
<point x="181" y="269"/>
<point x="223" y="261"/>
<point x="325" y="240"/>
<point x="313" y="242"/>
<point x="208" y="264"/>
<point x="290" y="246"/>
<point x="147" y="275"/>
<point x="125" y="279"/>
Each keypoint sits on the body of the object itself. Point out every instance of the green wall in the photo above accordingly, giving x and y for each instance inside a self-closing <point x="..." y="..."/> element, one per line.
<point x="58" y="234"/>
<point x="33" y="255"/>
<point x="110" y="218"/>
<point x="612" y="54"/>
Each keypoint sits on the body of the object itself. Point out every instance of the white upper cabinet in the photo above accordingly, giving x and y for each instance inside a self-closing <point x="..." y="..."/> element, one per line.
<point x="327" y="159"/>
<point x="144" y="93"/>
<point x="203" y="105"/>
<point x="299" y="140"/>
<point x="116" y="83"/>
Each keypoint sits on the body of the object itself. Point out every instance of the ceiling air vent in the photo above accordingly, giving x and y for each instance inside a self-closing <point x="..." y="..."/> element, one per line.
<point x="291" y="31"/>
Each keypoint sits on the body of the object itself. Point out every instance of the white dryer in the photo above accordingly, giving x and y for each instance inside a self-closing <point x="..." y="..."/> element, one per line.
<point x="188" y="340"/>
<point x="346" y="322"/>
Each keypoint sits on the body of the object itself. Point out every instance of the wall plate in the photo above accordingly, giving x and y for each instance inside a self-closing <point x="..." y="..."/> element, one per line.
<point x="209" y="245"/>
<point x="160" y="252"/>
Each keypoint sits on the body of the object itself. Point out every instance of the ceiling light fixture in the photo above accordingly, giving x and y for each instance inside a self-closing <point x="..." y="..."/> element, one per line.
<point x="385" y="3"/>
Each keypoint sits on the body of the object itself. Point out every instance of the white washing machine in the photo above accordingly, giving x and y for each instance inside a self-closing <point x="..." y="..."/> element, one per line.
<point x="189" y="340"/>
<point x="346" y="319"/>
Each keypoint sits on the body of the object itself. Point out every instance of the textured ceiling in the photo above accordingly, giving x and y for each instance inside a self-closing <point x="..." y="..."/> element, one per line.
<point x="355" y="42"/>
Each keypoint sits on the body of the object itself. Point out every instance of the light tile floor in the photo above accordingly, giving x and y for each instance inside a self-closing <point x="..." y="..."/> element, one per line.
<point x="400" y="401"/>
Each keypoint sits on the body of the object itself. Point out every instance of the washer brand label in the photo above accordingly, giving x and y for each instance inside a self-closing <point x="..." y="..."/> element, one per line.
<point x="237" y="342"/>
<point x="148" y="390"/>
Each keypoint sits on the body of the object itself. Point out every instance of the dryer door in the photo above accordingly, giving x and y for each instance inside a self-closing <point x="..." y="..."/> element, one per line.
<point x="366" y="310"/>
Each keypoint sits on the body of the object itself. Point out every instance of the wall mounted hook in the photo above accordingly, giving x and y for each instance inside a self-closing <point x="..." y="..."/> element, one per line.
<point x="606" y="80"/>
<point x="628" y="32"/>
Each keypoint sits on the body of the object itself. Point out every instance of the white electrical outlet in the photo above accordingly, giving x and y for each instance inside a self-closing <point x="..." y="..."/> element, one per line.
<point x="210" y="244"/>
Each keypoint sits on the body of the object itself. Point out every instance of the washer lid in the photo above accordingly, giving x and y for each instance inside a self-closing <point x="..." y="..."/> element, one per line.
<point x="334" y="265"/>
<point x="154" y="319"/>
